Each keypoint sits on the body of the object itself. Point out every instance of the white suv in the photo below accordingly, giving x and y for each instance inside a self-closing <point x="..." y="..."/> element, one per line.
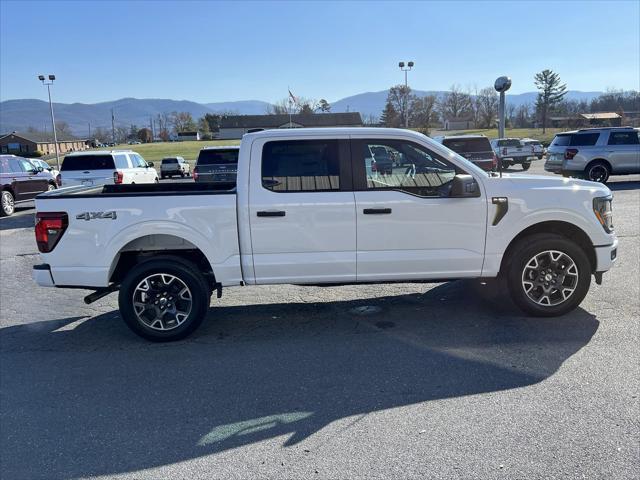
<point x="106" y="167"/>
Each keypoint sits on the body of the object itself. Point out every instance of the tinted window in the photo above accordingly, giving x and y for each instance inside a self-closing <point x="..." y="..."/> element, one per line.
<point x="509" y="143"/>
<point x="561" y="141"/>
<point x="88" y="162"/>
<point x="416" y="170"/>
<point x="301" y="165"/>
<point x="584" y="139"/>
<point x="217" y="157"/>
<point x="167" y="161"/>
<point x="121" y="161"/>
<point x="623" y="138"/>
<point x="467" y="145"/>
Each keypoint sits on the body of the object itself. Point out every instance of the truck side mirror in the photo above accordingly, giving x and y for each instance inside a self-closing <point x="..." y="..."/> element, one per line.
<point x="464" y="185"/>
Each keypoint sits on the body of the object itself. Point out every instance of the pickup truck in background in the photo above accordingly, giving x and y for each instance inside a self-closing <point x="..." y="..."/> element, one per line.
<point x="511" y="151"/>
<point x="537" y="148"/>
<point x="306" y="210"/>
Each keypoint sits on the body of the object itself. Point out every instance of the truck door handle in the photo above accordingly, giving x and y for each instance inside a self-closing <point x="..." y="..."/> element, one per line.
<point x="272" y="213"/>
<point x="376" y="211"/>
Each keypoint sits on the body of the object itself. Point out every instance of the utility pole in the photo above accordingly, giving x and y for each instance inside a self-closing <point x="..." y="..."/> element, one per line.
<point x="89" y="130"/>
<point x="53" y="120"/>
<point x="406" y="91"/>
<point x="113" y="127"/>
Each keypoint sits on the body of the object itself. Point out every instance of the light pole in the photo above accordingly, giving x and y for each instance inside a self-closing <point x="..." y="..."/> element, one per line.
<point x="501" y="85"/>
<point x="406" y="91"/>
<point x="53" y="121"/>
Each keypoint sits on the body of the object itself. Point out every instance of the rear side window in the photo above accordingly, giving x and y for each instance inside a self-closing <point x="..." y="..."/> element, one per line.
<point x="468" y="145"/>
<point x="584" y="139"/>
<point x="218" y="157"/>
<point x="623" y="138"/>
<point x="121" y="161"/>
<point x="88" y="162"/>
<point x="301" y="165"/>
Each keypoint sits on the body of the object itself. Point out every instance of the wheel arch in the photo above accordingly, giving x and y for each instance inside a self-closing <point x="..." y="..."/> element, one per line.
<point x="565" y="229"/>
<point x="599" y="160"/>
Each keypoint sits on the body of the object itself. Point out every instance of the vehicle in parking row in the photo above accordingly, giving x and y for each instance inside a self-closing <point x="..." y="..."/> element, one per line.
<point x="475" y="148"/>
<point x="511" y="151"/>
<point x="171" y="166"/>
<point x="216" y="165"/>
<point x="306" y="210"/>
<point x="45" y="166"/>
<point x="537" y="148"/>
<point x="21" y="181"/>
<point x="595" y="153"/>
<point x="106" y="167"/>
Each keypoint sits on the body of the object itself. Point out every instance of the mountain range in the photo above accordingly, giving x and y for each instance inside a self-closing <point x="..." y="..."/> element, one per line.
<point x="19" y="115"/>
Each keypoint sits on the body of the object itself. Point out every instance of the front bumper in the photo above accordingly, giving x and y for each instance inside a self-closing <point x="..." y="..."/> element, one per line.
<point x="41" y="274"/>
<point x="606" y="256"/>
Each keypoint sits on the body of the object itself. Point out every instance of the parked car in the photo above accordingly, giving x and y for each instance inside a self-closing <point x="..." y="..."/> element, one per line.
<point x="595" y="153"/>
<point x="305" y="211"/>
<point x="216" y="165"/>
<point x="45" y="167"/>
<point x="106" y="167"/>
<point x="21" y="181"/>
<point x="475" y="148"/>
<point x="171" y="166"/>
<point x="511" y="151"/>
<point x="537" y="148"/>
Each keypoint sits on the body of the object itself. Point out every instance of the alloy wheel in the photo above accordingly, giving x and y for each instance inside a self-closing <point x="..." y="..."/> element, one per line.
<point x="162" y="301"/>
<point x="549" y="278"/>
<point x="8" y="205"/>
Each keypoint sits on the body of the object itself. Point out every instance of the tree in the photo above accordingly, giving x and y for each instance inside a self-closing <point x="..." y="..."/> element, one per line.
<point x="63" y="130"/>
<point x="522" y="116"/>
<point x="370" y="120"/>
<point x="400" y="98"/>
<point x="455" y="103"/>
<point x="487" y="101"/>
<point x="204" y="129"/>
<point x="552" y="91"/>
<point x="390" y="116"/>
<point x="324" y="106"/>
<point x="133" y="132"/>
<point x="145" y="135"/>
<point x="182" y="122"/>
<point x="281" y="107"/>
<point x="101" y="134"/>
<point x="423" y="112"/>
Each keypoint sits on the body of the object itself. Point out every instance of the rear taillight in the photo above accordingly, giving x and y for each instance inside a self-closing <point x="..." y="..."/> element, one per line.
<point x="49" y="229"/>
<point x="494" y="161"/>
<point x="59" y="180"/>
<point x="117" y="177"/>
<point x="569" y="153"/>
<point x="195" y="174"/>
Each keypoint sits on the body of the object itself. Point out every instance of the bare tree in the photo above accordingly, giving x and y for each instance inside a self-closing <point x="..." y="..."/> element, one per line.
<point x="423" y="112"/>
<point x="455" y="103"/>
<point x="182" y="122"/>
<point x="487" y="101"/>
<point x="371" y="120"/>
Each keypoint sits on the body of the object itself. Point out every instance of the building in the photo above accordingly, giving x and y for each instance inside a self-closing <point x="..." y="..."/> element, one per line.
<point x="582" y="120"/>
<point x="234" y="126"/>
<point x="187" y="136"/>
<point x="458" y="123"/>
<point x="28" y="144"/>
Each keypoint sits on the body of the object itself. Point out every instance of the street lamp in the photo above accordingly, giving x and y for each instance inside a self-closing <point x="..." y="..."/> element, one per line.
<point x="501" y="85"/>
<point x="53" y="121"/>
<point x="406" y="91"/>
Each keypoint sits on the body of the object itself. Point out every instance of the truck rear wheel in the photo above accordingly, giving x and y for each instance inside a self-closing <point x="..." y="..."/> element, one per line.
<point x="164" y="299"/>
<point x="548" y="275"/>
<point x="525" y="166"/>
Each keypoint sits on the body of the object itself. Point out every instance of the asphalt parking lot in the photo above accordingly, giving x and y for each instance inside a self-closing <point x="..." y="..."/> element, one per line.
<point x="377" y="381"/>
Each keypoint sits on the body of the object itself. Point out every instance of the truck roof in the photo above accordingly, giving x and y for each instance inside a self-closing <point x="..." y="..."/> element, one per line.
<point x="98" y="152"/>
<point x="304" y="132"/>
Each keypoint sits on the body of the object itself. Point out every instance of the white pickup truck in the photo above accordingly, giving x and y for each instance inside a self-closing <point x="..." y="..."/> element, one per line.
<point x="306" y="210"/>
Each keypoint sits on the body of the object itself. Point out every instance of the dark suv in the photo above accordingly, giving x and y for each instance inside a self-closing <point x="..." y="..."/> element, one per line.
<point x="217" y="165"/>
<point x="475" y="148"/>
<point x="21" y="181"/>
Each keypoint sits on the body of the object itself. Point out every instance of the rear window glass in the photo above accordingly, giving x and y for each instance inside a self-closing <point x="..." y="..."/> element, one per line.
<point x="561" y="141"/>
<point x="584" y="139"/>
<point x="217" y="157"/>
<point x="88" y="162"/>
<point x="468" y="145"/>
<point x="166" y="161"/>
<point x="509" y="143"/>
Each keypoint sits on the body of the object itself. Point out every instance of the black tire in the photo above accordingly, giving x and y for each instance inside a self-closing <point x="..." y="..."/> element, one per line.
<point x="162" y="177"/>
<point x="181" y="174"/>
<point x="597" y="171"/>
<point x="51" y="186"/>
<point x="187" y="274"/>
<point x="7" y="204"/>
<point x="538" y="244"/>
<point x="525" y="166"/>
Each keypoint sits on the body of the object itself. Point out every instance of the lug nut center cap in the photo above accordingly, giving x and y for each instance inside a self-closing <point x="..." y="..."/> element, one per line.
<point x="548" y="277"/>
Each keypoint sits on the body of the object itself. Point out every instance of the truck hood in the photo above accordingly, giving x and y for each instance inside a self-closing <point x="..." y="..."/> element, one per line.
<point x="520" y="181"/>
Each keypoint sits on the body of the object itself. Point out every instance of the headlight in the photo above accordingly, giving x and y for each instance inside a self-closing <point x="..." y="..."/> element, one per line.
<point x="602" y="210"/>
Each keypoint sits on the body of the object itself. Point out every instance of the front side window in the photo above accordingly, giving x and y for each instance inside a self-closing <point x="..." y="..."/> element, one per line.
<point x="623" y="138"/>
<point x="301" y="165"/>
<point x="404" y="166"/>
<point x="138" y="161"/>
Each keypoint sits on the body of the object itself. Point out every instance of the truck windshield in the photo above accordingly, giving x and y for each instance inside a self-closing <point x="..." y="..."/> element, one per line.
<point x="467" y="145"/>
<point x="218" y="157"/>
<point x="88" y="162"/>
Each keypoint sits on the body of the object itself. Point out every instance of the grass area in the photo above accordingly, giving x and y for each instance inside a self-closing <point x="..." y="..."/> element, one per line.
<point x="535" y="133"/>
<point x="155" y="152"/>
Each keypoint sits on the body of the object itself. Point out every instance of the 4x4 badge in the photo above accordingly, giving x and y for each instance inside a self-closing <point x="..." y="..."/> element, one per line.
<point x="96" y="215"/>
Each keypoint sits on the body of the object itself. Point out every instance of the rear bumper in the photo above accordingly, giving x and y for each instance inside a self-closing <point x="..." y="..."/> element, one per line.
<point x="519" y="160"/>
<point x="606" y="256"/>
<point x="41" y="274"/>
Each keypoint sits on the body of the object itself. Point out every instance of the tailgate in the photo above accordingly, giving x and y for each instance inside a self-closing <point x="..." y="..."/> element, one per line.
<point x="86" y="178"/>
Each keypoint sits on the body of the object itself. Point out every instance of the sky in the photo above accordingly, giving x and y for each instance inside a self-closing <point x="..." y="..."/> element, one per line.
<point x="208" y="51"/>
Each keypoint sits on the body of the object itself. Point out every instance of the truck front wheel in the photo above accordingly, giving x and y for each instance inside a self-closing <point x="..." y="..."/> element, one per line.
<point x="164" y="299"/>
<point x="548" y="275"/>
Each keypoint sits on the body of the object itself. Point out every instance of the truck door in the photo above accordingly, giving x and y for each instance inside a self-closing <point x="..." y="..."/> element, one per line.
<point x="408" y="227"/>
<point x="624" y="151"/>
<point x="301" y="211"/>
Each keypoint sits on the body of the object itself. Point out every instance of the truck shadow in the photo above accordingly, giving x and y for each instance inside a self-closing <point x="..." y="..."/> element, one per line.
<point x="84" y="397"/>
